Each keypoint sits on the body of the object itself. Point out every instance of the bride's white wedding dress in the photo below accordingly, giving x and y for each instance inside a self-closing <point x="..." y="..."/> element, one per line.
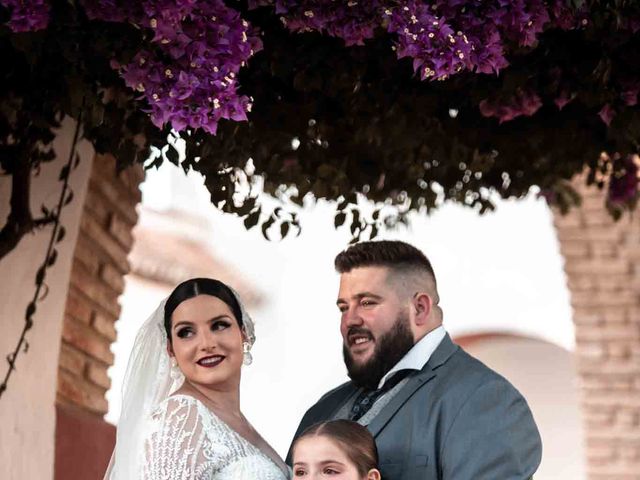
<point x="162" y="436"/>
<point x="187" y="441"/>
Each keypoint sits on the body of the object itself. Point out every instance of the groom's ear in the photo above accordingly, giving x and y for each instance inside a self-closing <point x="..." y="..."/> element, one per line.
<point x="422" y="305"/>
<point x="374" y="474"/>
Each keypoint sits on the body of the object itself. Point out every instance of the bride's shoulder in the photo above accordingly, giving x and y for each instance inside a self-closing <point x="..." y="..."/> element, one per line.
<point x="177" y="404"/>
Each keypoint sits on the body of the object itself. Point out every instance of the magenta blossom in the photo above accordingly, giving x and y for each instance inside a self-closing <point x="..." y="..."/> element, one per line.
<point x="353" y="21"/>
<point x="623" y="185"/>
<point x="607" y="113"/>
<point x="522" y="103"/>
<point x="27" y="16"/>
<point x="188" y="72"/>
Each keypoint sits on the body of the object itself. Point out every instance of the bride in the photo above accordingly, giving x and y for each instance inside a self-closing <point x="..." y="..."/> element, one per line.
<point x="181" y="417"/>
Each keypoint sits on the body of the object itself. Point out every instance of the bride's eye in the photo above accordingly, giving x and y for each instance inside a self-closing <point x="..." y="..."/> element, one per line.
<point x="299" y="473"/>
<point x="184" y="332"/>
<point x="330" y="471"/>
<point x="220" y="325"/>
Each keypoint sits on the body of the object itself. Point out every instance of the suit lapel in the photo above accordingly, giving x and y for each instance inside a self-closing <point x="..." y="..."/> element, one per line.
<point x="338" y="399"/>
<point x="428" y="372"/>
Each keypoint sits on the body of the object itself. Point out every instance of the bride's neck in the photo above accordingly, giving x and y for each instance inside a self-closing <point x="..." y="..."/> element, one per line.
<point x="225" y="398"/>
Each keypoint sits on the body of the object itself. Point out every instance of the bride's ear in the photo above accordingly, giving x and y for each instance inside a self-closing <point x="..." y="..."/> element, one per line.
<point x="169" y="350"/>
<point x="374" y="474"/>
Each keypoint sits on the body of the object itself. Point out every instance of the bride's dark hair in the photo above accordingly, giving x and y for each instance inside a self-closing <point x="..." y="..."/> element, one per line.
<point x="200" y="286"/>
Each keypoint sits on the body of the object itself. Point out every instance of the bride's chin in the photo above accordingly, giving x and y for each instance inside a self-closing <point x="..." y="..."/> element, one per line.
<point x="222" y="377"/>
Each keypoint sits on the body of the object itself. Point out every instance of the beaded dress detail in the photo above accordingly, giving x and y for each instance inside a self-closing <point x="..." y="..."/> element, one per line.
<point x="187" y="441"/>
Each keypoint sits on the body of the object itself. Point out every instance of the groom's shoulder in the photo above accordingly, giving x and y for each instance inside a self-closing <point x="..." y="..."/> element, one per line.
<point x="331" y="399"/>
<point x="468" y="372"/>
<point x="329" y="402"/>
<point x="337" y="391"/>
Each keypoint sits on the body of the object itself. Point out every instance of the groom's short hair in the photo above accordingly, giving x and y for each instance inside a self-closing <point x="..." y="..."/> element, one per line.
<point x="408" y="266"/>
<point x="393" y="254"/>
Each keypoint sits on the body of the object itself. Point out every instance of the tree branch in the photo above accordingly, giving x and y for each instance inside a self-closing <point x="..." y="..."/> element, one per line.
<point x="19" y="222"/>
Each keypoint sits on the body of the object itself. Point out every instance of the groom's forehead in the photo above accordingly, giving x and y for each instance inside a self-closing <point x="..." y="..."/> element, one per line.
<point x="364" y="279"/>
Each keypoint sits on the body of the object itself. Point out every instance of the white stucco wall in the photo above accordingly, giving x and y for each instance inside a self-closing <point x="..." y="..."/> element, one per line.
<point x="27" y="408"/>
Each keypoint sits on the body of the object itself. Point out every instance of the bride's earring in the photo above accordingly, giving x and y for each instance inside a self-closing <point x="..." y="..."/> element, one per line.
<point x="175" y="372"/>
<point x="247" y="358"/>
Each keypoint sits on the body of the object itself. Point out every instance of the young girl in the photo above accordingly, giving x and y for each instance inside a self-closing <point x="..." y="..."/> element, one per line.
<point x="339" y="449"/>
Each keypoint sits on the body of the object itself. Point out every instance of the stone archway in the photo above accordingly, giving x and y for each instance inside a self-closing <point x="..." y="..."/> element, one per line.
<point x="601" y="259"/>
<point x="602" y="264"/>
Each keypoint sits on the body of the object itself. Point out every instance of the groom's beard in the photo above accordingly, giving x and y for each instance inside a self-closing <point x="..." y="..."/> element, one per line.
<point x="389" y="349"/>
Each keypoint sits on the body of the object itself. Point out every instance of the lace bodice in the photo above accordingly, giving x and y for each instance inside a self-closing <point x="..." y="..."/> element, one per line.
<point x="189" y="442"/>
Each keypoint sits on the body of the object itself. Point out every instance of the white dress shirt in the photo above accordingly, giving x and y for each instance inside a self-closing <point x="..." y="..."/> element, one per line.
<point x="419" y="355"/>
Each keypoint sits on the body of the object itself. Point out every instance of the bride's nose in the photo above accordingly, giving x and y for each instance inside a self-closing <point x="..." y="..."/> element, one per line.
<point x="207" y="342"/>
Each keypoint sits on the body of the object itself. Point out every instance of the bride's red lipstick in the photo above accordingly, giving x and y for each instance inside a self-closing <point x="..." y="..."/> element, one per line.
<point x="210" y="361"/>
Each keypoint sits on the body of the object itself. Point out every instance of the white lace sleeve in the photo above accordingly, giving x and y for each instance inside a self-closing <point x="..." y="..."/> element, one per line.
<point x="176" y="447"/>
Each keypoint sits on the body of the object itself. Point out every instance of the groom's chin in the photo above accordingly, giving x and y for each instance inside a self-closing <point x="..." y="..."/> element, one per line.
<point x="360" y="372"/>
<point x="358" y="361"/>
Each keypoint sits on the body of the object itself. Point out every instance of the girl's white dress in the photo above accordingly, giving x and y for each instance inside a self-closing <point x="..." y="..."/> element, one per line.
<point x="187" y="441"/>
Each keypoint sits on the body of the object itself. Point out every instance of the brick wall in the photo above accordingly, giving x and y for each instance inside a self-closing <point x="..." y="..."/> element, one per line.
<point x="602" y="264"/>
<point x="99" y="265"/>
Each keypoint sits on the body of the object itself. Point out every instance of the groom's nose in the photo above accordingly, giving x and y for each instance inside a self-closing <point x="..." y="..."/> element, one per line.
<point x="350" y="317"/>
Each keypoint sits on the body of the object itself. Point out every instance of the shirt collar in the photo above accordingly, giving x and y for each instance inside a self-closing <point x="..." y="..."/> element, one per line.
<point x="418" y="356"/>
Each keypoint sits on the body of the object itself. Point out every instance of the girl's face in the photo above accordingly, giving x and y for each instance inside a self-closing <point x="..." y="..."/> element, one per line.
<point x="318" y="457"/>
<point x="206" y="341"/>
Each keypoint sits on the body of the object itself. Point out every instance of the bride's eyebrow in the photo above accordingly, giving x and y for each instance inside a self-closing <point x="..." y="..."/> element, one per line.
<point x="224" y="316"/>
<point x="181" y="323"/>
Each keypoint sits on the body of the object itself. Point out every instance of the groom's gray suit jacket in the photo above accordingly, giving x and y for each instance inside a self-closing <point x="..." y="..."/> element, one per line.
<point x="456" y="419"/>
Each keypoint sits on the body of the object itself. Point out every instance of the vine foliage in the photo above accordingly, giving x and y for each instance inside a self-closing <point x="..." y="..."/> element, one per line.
<point x="58" y="233"/>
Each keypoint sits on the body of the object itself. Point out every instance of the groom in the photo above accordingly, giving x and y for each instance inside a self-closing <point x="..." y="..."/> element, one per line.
<point x="435" y="411"/>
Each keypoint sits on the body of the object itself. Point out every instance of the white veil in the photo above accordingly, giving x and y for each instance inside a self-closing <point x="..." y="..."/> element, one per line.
<point x="146" y="384"/>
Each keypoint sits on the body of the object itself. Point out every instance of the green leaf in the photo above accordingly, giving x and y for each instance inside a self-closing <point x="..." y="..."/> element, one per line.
<point x="265" y="226"/>
<point x="53" y="257"/>
<point x="61" y="234"/>
<point x="284" y="229"/>
<point x="40" y="274"/>
<point x="31" y="309"/>
<point x="252" y="219"/>
<point x="172" y="155"/>
<point x="326" y="171"/>
<point x="64" y="173"/>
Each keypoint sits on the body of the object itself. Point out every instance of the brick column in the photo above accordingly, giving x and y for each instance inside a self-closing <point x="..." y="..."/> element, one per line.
<point x="84" y="441"/>
<point x="602" y="264"/>
<point x="97" y="280"/>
